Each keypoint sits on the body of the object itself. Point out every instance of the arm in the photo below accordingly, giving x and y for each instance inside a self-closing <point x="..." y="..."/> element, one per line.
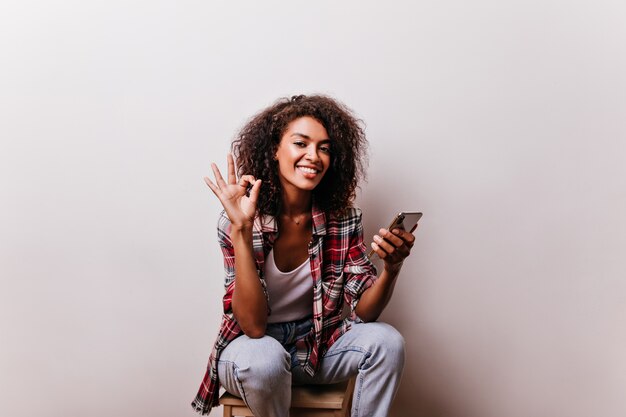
<point x="249" y="301"/>
<point x="392" y="248"/>
<point x="374" y="300"/>
<point x="249" y="304"/>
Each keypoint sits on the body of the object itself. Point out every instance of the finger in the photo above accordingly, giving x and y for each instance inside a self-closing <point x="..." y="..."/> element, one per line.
<point x="381" y="253"/>
<point x="244" y="180"/>
<point x="218" y="176"/>
<point x="213" y="187"/>
<point x="391" y="237"/>
<point x="410" y="240"/>
<point x="232" y="177"/>
<point x="384" y="245"/>
<point x="254" y="192"/>
<point x="407" y="237"/>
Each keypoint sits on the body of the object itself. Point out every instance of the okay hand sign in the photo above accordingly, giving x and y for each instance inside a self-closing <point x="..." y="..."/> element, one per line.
<point x="239" y="201"/>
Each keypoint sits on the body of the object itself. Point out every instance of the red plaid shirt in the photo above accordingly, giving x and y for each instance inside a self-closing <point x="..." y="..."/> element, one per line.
<point x="341" y="272"/>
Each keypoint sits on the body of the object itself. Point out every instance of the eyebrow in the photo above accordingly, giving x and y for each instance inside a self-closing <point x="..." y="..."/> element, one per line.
<point x="303" y="136"/>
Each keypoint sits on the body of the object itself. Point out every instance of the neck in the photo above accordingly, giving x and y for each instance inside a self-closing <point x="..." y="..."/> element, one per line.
<point x="298" y="203"/>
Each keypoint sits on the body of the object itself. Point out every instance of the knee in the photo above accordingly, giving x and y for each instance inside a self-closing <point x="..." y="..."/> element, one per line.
<point x="388" y="344"/>
<point x="395" y="345"/>
<point x="266" y="362"/>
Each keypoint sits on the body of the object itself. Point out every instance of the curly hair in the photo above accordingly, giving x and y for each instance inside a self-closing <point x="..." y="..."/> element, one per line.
<point x="256" y="145"/>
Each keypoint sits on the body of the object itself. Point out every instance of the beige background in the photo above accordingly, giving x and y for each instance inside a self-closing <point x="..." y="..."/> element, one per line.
<point x="503" y="121"/>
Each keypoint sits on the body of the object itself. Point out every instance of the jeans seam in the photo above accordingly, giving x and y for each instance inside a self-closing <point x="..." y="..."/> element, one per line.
<point x="240" y="384"/>
<point x="237" y="380"/>
<point x="357" y="403"/>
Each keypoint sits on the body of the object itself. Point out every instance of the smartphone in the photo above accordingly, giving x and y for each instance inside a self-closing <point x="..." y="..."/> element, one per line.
<point x="405" y="220"/>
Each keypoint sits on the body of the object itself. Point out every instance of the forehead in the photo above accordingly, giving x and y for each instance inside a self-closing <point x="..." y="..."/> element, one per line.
<point x="307" y="126"/>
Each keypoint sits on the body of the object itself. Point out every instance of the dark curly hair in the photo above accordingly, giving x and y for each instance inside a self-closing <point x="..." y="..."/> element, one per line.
<point x="256" y="144"/>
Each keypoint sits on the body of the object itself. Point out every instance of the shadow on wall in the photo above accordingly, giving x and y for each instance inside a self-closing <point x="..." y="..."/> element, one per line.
<point x="430" y="386"/>
<point x="427" y="387"/>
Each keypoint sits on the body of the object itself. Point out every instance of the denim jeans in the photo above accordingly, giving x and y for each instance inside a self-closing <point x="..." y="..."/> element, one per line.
<point x="261" y="371"/>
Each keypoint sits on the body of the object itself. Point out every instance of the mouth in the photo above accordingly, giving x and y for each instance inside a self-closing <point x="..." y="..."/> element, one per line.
<point x="308" y="170"/>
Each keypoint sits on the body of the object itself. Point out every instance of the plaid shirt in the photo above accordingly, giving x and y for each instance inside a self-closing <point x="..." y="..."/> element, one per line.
<point x="341" y="272"/>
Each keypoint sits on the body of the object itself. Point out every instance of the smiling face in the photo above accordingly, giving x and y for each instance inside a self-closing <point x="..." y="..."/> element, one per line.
<point x="303" y="155"/>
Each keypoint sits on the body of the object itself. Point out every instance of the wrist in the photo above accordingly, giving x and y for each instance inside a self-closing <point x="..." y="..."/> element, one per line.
<point x="240" y="231"/>
<point x="393" y="268"/>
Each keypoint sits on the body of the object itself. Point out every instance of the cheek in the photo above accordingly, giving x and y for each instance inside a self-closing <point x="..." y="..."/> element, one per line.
<point x="283" y="166"/>
<point x="328" y="161"/>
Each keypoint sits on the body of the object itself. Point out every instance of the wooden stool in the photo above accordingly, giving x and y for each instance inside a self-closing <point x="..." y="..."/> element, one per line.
<point x="306" y="401"/>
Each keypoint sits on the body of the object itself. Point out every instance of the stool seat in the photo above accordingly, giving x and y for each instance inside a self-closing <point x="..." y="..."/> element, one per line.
<point x="331" y="400"/>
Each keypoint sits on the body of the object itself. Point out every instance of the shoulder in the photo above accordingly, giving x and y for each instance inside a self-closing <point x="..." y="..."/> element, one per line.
<point x="223" y="229"/>
<point x="223" y="222"/>
<point x="350" y="219"/>
<point x="348" y="215"/>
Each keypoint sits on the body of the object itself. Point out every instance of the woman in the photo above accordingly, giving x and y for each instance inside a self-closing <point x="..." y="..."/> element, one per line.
<point x="293" y="254"/>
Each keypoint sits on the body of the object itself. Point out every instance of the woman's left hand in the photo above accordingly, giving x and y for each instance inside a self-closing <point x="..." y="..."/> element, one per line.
<point x="393" y="246"/>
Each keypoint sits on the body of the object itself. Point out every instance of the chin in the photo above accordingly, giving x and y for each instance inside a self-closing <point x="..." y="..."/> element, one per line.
<point x="308" y="187"/>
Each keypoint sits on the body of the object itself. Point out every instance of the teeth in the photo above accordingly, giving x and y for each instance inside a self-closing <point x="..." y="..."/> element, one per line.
<point x="308" y="170"/>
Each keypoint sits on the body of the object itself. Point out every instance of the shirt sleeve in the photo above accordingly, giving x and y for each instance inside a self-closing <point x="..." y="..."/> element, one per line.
<point x="360" y="273"/>
<point x="228" y="253"/>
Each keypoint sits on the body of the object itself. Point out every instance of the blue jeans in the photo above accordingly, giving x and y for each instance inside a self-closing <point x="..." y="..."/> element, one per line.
<point x="261" y="371"/>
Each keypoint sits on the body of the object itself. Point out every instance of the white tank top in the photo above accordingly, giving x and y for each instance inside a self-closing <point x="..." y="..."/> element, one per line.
<point x="290" y="293"/>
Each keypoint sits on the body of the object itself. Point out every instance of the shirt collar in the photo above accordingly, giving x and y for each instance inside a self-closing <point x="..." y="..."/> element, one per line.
<point x="318" y="219"/>
<point x="266" y="223"/>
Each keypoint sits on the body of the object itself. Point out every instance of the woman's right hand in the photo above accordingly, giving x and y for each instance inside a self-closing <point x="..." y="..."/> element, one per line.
<point x="239" y="205"/>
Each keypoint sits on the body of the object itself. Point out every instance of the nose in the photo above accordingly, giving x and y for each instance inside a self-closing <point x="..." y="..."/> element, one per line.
<point x="311" y="154"/>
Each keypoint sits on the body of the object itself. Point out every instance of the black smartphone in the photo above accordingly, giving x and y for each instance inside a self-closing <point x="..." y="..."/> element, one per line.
<point x="405" y="220"/>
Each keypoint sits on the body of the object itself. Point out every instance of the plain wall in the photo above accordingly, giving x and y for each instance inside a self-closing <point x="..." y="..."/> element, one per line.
<point x="504" y="122"/>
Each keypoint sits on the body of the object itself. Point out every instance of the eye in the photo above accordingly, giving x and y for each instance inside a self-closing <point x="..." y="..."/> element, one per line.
<point x="325" y="149"/>
<point x="299" y="144"/>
